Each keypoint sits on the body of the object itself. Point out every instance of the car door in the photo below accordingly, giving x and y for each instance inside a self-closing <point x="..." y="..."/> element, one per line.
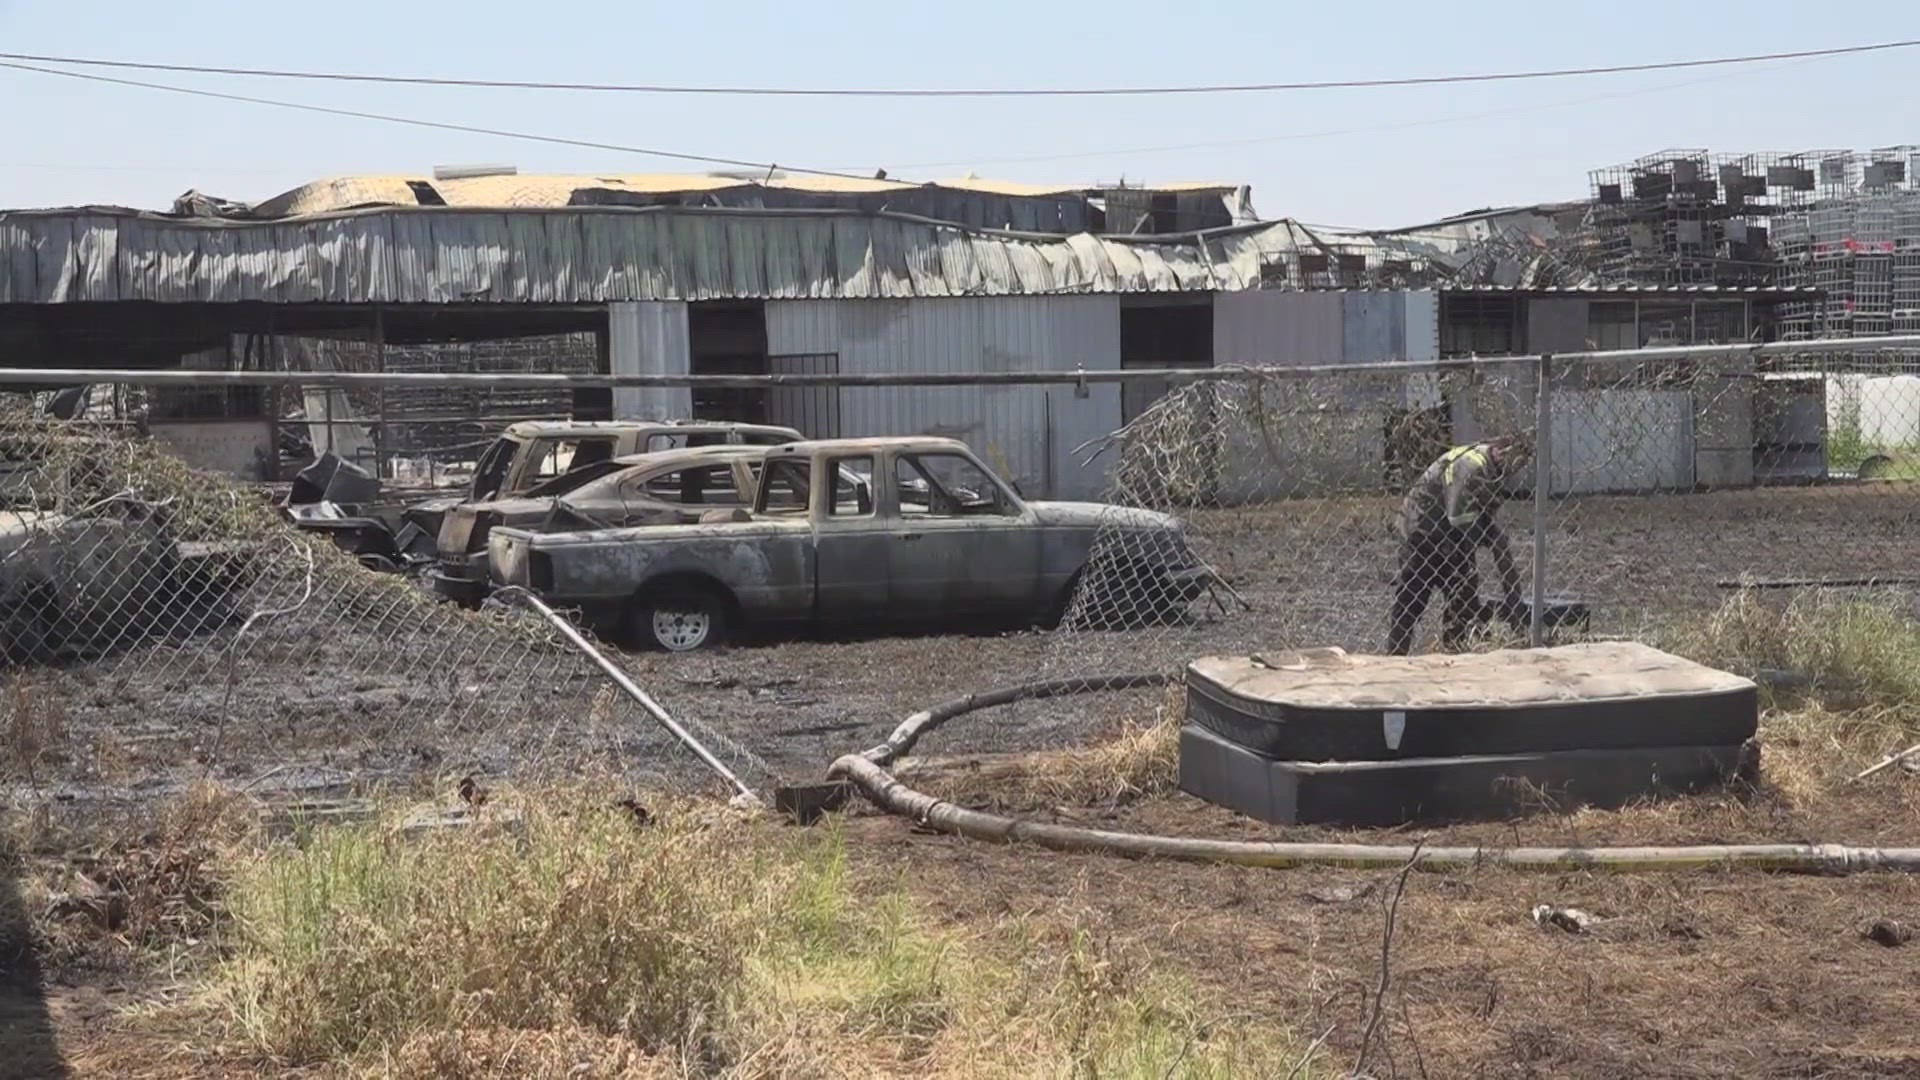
<point x="962" y="544"/>
<point x="850" y="544"/>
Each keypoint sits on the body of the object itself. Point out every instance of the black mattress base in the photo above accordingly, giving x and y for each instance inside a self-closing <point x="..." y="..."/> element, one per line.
<point x="1435" y="789"/>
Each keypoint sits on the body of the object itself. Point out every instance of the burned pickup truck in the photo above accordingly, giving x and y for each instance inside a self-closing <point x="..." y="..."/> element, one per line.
<point x="863" y="532"/>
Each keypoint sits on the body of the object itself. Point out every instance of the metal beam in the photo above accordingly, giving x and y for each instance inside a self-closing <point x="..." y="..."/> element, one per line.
<point x="342" y="379"/>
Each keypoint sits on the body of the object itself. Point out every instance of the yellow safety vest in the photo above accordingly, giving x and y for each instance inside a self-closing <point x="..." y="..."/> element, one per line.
<point x="1476" y="454"/>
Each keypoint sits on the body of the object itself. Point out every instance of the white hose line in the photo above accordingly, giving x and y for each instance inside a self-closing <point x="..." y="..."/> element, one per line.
<point x="866" y="771"/>
<point x="894" y="797"/>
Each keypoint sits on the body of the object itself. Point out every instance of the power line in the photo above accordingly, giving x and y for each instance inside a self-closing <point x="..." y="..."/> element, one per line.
<point x="1325" y="133"/>
<point x="1104" y="91"/>
<point x="469" y="129"/>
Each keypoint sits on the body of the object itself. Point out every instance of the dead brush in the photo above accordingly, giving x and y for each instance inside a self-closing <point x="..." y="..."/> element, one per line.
<point x="129" y="891"/>
<point x="36" y="727"/>
<point x="1140" y="759"/>
<point x="1839" y="650"/>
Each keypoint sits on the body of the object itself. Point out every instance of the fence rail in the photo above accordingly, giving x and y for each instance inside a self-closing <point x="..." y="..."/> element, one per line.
<point x="1181" y="375"/>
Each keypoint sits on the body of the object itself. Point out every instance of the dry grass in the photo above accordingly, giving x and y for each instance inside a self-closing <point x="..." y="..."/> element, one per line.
<point x="1140" y="758"/>
<point x="127" y="893"/>
<point x="572" y="940"/>
<point x="34" y="723"/>
<point x="1839" y="649"/>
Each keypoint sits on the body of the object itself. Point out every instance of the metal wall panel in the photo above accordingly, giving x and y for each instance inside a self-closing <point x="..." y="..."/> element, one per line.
<point x="1622" y="440"/>
<point x="1373" y="327"/>
<point x="1282" y="329"/>
<point x="1028" y="432"/>
<point x="813" y="411"/>
<point x="592" y="255"/>
<point x="649" y="338"/>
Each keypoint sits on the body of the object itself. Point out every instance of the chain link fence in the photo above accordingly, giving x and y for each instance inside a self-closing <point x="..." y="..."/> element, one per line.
<point x="160" y="623"/>
<point x="1398" y="510"/>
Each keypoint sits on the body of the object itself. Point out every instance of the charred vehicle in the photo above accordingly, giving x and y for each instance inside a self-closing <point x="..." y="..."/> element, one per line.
<point x="665" y="488"/>
<point x="865" y="532"/>
<point x="528" y="455"/>
<point x="343" y="500"/>
<point x="107" y="575"/>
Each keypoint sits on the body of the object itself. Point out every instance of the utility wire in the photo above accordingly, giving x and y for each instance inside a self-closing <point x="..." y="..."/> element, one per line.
<point x="1324" y="133"/>
<point x="435" y="124"/>
<point x="1102" y="91"/>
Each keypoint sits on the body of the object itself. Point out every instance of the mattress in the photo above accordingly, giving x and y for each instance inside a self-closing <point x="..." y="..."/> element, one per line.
<point x="1432" y="790"/>
<point x="1330" y="705"/>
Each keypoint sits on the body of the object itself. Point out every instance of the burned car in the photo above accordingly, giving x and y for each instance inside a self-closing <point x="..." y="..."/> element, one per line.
<point x="528" y="455"/>
<point x="861" y="532"/>
<point x="665" y="488"/>
<point x="343" y="500"/>
<point x="106" y="575"/>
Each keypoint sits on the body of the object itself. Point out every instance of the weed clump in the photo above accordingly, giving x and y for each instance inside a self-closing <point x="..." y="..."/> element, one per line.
<point x="1844" y="650"/>
<point x="569" y="939"/>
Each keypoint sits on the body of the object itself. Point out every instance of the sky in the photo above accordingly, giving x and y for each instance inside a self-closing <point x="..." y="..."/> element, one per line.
<point x="1379" y="157"/>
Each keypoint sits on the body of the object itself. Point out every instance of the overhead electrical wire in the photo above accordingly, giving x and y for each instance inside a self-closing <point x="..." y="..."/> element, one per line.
<point x="850" y="172"/>
<point x="957" y="91"/>
<point x="1324" y="133"/>
<point x="1100" y="91"/>
<point x="470" y="129"/>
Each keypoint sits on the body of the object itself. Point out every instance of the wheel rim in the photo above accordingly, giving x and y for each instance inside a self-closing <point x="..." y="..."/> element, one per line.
<point x="680" y="629"/>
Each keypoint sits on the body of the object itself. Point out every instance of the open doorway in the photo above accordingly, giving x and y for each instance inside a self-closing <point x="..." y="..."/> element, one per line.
<point x="1162" y="332"/>
<point x="728" y="338"/>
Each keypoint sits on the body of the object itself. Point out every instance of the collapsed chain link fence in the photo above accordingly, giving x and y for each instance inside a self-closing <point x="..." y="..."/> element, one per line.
<point x="160" y="624"/>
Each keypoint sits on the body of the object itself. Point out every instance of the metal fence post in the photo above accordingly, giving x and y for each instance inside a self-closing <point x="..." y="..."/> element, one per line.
<point x="1542" y="480"/>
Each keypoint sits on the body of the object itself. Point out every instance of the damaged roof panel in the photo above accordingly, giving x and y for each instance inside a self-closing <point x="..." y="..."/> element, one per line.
<point x="597" y="254"/>
<point x="516" y="191"/>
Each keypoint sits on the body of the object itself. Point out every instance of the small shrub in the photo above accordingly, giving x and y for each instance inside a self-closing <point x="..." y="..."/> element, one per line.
<point x="360" y="939"/>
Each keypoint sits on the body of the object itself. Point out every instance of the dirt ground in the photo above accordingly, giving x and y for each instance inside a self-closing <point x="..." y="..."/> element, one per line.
<point x="1706" y="973"/>
<point x="1697" y="974"/>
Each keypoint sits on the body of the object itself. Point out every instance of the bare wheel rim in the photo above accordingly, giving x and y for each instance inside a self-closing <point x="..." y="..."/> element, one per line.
<point x="681" y="626"/>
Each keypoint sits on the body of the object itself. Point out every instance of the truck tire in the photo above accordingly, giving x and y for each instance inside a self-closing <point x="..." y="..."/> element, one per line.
<point x="679" y="619"/>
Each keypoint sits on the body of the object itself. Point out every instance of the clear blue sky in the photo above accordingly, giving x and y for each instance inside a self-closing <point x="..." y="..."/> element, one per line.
<point x="1402" y="158"/>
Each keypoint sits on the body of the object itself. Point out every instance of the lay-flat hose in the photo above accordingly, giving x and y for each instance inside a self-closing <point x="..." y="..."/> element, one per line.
<point x="866" y="771"/>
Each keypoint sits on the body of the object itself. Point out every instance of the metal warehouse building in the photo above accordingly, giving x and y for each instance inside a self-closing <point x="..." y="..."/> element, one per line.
<point x="708" y="275"/>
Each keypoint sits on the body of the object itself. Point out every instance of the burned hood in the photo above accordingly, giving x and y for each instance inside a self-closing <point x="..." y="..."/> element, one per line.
<point x="1094" y="515"/>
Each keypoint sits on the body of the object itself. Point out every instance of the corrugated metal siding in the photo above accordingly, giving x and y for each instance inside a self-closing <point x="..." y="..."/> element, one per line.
<point x="1621" y="440"/>
<point x="590" y="255"/>
<point x="649" y="338"/>
<point x="1028" y="432"/>
<point x="1373" y="327"/>
<point x="1284" y="329"/>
